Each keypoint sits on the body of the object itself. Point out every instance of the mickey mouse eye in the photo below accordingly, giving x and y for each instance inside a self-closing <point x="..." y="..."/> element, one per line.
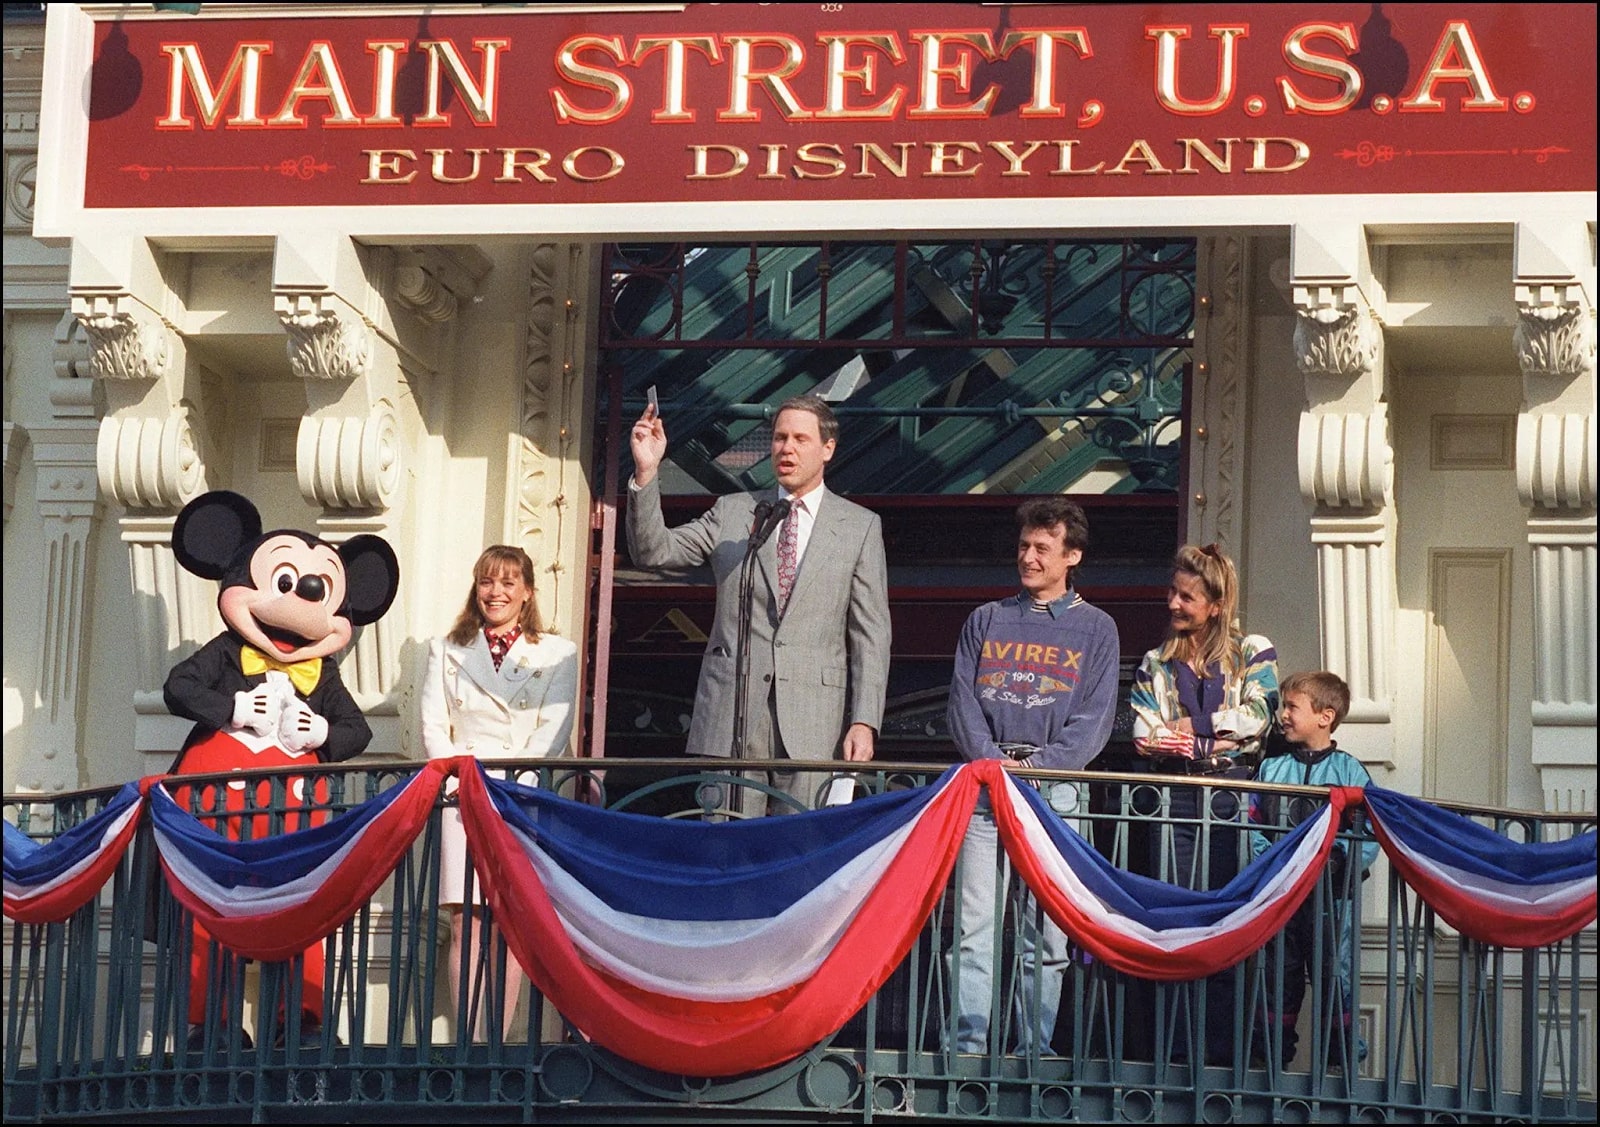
<point x="284" y="577"/>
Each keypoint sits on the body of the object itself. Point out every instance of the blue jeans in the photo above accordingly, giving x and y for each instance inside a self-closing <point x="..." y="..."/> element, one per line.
<point x="1041" y="947"/>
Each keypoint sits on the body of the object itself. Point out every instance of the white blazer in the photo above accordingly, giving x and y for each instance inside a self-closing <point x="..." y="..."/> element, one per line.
<point x="523" y="710"/>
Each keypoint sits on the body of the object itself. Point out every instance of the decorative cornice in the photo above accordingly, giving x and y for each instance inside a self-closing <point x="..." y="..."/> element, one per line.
<point x="325" y="342"/>
<point x="127" y="344"/>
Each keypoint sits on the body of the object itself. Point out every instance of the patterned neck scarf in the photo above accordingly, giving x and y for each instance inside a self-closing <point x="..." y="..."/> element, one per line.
<point x="500" y="644"/>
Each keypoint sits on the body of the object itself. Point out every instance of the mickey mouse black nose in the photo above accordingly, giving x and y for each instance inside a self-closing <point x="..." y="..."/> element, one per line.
<point x="311" y="588"/>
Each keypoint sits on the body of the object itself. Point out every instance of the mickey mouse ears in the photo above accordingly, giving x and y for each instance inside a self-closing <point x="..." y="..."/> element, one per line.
<point x="211" y="529"/>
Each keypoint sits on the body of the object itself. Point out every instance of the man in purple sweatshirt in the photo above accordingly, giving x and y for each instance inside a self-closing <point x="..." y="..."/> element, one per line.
<point x="1035" y="685"/>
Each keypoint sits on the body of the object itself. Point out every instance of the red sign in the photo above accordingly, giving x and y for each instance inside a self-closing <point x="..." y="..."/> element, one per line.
<point x="822" y="102"/>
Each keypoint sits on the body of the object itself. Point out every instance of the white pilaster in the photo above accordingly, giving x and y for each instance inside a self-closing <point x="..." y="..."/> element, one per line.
<point x="1346" y="470"/>
<point x="69" y="504"/>
<point x="1555" y="344"/>
<point x="359" y="321"/>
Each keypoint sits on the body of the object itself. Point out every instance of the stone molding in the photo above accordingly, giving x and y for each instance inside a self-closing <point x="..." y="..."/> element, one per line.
<point x="547" y="402"/>
<point x="1217" y="414"/>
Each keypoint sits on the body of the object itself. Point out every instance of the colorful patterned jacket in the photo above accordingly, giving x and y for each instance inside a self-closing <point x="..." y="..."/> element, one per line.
<point x="1250" y="699"/>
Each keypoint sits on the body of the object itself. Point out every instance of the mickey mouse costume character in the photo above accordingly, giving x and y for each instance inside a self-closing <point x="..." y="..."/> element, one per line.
<point x="267" y="692"/>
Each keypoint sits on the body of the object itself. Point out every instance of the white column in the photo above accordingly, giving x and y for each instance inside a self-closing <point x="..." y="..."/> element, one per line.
<point x="1346" y="470"/>
<point x="150" y="459"/>
<point x="1555" y="345"/>
<point x="361" y="323"/>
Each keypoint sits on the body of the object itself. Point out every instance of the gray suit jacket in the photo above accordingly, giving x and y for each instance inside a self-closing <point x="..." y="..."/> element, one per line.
<point x="829" y="654"/>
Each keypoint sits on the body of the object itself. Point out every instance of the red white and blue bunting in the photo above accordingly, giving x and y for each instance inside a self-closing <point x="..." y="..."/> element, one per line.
<point x="713" y="949"/>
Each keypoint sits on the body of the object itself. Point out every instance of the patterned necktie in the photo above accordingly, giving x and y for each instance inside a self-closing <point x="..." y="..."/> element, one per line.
<point x="789" y="554"/>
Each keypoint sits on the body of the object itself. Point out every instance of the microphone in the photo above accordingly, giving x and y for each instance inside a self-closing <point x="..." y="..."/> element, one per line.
<point x="758" y="521"/>
<point x="777" y="513"/>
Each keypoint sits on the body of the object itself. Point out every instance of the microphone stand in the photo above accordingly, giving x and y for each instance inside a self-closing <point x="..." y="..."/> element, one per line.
<point x="768" y="516"/>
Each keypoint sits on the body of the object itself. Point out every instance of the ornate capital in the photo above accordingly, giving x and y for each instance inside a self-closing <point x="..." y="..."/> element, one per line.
<point x="1554" y="336"/>
<point x="1334" y="333"/>
<point x="325" y="342"/>
<point x="126" y="343"/>
<point x="349" y="463"/>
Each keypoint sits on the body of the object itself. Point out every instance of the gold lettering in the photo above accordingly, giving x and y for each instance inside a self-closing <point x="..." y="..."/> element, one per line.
<point x="1064" y="168"/>
<point x="1167" y="39"/>
<point x="512" y="161"/>
<point x="480" y="98"/>
<point x="615" y="163"/>
<point x="1033" y="653"/>
<point x="674" y="78"/>
<point x="1139" y="152"/>
<point x="1309" y="62"/>
<point x="934" y="72"/>
<point x="1194" y="145"/>
<point x="1455" y="59"/>
<point x="948" y="158"/>
<point x="816" y="152"/>
<point x="188" y="71"/>
<point x="319" y="60"/>
<point x="439" y="156"/>
<point x="1013" y="158"/>
<point x="702" y="162"/>
<point x="744" y="74"/>
<point x="1044" y="42"/>
<point x="380" y="161"/>
<point x="840" y="73"/>
<point x="579" y="73"/>
<point x="869" y="148"/>
<point x="771" y="171"/>
<point x="1258" y="156"/>
<point x="385" y="71"/>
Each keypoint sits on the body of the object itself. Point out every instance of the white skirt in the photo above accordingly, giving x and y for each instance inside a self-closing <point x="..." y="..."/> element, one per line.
<point x="453" y="860"/>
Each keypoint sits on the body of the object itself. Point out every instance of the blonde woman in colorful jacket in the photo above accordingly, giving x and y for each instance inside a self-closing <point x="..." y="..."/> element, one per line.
<point x="1203" y="702"/>
<point x="497" y="687"/>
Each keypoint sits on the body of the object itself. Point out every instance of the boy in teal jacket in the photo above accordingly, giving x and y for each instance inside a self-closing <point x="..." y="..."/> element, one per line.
<point x="1313" y="704"/>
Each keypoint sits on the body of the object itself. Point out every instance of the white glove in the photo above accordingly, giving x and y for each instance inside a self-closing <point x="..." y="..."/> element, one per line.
<point x="261" y="708"/>
<point x="300" y="729"/>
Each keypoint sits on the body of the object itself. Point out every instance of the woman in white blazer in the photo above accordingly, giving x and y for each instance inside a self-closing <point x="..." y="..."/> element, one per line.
<point x="497" y="687"/>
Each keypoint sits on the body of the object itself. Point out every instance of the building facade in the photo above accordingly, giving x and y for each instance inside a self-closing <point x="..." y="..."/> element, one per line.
<point x="358" y="266"/>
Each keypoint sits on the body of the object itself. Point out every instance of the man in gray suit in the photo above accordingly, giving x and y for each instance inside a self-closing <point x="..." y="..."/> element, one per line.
<point x="819" y="627"/>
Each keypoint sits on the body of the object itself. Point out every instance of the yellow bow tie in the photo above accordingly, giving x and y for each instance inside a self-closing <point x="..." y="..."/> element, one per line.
<point x="303" y="674"/>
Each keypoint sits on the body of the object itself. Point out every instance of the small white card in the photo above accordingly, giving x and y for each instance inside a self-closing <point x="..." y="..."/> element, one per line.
<point x="840" y="791"/>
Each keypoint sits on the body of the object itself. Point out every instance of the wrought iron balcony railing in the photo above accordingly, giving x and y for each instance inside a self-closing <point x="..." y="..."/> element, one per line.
<point x="1438" y="1027"/>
